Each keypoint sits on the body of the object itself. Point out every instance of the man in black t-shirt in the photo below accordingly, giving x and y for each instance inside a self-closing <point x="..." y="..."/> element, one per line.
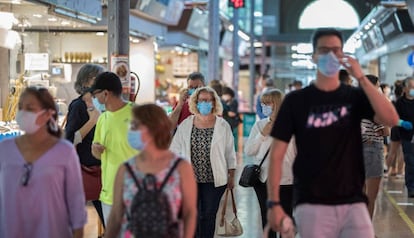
<point x="328" y="171"/>
<point x="405" y="109"/>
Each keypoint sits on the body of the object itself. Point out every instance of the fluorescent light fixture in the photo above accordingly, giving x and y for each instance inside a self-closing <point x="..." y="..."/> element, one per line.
<point x="258" y="14"/>
<point x="75" y="15"/>
<point x="243" y="35"/>
<point x="231" y="28"/>
<point x="257" y="44"/>
<point x="373" y="21"/>
<point x="303" y="64"/>
<point x="230" y="64"/>
<point x="65" y="23"/>
<point x="304" y="48"/>
<point x="301" y="56"/>
<point x="135" y="41"/>
<point x="52" y="19"/>
<point x="100" y="33"/>
<point x="37" y="15"/>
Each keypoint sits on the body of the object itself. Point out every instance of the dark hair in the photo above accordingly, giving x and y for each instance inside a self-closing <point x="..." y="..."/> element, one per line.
<point x="108" y="81"/>
<point x="320" y="32"/>
<point x="229" y="91"/>
<point x="48" y="103"/>
<point x="217" y="86"/>
<point x="157" y="121"/>
<point x="383" y="86"/>
<point x="297" y="83"/>
<point x="197" y="76"/>
<point x="344" y="76"/>
<point x="398" y="88"/>
<point x="372" y="78"/>
<point x="85" y="74"/>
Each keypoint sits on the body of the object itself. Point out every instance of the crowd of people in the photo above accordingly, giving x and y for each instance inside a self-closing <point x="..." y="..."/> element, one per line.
<point x="116" y="154"/>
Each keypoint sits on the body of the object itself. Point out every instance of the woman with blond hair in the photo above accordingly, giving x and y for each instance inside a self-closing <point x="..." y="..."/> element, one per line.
<point x="258" y="146"/>
<point x="206" y="140"/>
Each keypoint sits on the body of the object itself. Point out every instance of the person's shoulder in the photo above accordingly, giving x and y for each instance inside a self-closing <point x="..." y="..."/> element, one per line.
<point x="77" y="103"/>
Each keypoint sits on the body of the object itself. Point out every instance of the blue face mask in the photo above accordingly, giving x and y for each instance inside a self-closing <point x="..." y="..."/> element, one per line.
<point x="267" y="110"/>
<point x="99" y="106"/>
<point x="328" y="64"/>
<point x="135" y="140"/>
<point x="411" y="92"/>
<point x="204" y="107"/>
<point x="191" y="91"/>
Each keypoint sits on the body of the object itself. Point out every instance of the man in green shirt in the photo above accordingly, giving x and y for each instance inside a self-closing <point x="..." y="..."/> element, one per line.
<point x="110" y="143"/>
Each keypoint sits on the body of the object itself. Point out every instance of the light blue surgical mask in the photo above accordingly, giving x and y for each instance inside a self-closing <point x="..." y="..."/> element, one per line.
<point x="99" y="106"/>
<point x="411" y="92"/>
<point x="191" y="91"/>
<point x="135" y="140"/>
<point x="267" y="110"/>
<point x="204" y="107"/>
<point x="328" y="64"/>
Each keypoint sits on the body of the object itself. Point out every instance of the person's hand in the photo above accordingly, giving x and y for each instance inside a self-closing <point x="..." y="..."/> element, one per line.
<point x="275" y="216"/>
<point x="93" y="114"/>
<point x="230" y="182"/>
<point x="352" y="66"/>
<point x="97" y="148"/>
<point x="183" y="96"/>
<point x="405" y="124"/>
<point x="267" y="128"/>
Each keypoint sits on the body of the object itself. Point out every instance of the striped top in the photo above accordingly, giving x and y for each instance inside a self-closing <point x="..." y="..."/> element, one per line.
<point x="371" y="131"/>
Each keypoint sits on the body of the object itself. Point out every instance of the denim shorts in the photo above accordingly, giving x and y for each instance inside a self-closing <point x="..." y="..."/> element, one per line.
<point x="373" y="159"/>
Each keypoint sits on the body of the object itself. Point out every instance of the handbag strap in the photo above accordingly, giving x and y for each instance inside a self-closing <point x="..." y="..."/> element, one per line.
<point x="233" y="202"/>
<point x="264" y="157"/>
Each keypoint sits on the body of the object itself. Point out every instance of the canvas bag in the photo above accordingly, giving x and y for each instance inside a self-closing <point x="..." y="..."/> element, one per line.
<point x="229" y="227"/>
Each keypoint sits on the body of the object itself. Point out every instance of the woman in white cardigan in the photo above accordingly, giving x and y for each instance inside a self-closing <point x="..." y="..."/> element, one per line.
<point x="258" y="145"/>
<point x="207" y="141"/>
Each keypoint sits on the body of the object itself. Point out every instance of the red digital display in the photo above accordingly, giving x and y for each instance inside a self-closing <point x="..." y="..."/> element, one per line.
<point x="236" y="3"/>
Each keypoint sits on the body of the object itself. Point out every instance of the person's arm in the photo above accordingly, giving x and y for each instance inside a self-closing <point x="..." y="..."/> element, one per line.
<point x="175" y="114"/>
<point x="276" y="213"/>
<point x="93" y="119"/>
<point x="74" y="194"/>
<point x="230" y="154"/>
<point x="255" y="140"/>
<point x="97" y="148"/>
<point x="189" y="198"/>
<point x="113" y="226"/>
<point x="385" y="112"/>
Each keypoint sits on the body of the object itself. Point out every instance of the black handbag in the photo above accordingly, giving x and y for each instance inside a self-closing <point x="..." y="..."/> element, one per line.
<point x="251" y="172"/>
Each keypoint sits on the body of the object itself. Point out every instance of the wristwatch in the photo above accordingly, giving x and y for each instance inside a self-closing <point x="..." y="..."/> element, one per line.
<point x="271" y="204"/>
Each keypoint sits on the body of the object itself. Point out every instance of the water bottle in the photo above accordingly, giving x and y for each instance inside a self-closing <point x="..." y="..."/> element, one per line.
<point x="288" y="229"/>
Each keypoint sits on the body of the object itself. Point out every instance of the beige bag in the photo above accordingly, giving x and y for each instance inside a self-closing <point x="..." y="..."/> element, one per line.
<point x="226" y="227"/>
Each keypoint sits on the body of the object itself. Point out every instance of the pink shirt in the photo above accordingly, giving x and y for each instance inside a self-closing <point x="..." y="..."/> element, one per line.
<point x="53" y="202"/>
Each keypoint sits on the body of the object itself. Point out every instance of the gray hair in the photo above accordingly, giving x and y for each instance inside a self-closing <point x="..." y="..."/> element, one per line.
<point x="85" y="74"/>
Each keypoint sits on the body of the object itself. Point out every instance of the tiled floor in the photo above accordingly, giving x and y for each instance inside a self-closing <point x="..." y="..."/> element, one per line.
<point x="393" y="218"/>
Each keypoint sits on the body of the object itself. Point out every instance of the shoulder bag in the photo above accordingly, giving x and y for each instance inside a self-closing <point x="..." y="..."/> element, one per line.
<point x="251" y="173"/>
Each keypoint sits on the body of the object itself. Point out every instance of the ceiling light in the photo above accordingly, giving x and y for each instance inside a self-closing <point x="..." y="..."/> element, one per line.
<point x="65" y="23"/>
<point x="258" y="14"/>
<point x="52" y="19"/>
<point x="37" y="15"/>
<point x="100" y="33"/>
<point x="135" y="40"/>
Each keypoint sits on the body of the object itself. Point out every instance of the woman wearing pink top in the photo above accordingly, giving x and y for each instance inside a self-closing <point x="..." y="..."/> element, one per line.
<point x="41" y="191"/>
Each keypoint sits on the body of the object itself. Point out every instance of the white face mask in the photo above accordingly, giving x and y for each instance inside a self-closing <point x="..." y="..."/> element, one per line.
<point x="267" y="110"/>
<point x="27" y="121"/>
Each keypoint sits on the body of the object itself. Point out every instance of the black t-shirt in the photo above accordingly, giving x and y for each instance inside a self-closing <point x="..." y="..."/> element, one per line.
<point x="76" y="118"/>
<point x="405" y="109"/>
<point x="329" y="166"/>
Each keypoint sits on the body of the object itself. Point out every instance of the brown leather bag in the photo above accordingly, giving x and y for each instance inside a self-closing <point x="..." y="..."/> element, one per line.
<point x="92" y="185"/>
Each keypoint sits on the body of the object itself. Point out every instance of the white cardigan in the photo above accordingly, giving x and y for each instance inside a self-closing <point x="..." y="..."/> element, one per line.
<point x="257" y="145"/>
<point x="222" y="154"/>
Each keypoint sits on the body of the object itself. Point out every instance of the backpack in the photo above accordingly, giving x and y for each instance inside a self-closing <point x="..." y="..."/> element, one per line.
<point x="150" y="214"/>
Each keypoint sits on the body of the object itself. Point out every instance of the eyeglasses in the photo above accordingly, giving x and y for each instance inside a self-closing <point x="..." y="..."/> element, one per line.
<point x="326" y="50"/>
<point x="26" y="175"/>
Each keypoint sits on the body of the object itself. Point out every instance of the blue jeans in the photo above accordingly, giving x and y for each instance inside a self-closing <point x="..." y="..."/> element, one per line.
<point x="408" y="150"/>
<point x="208" y="203"/>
